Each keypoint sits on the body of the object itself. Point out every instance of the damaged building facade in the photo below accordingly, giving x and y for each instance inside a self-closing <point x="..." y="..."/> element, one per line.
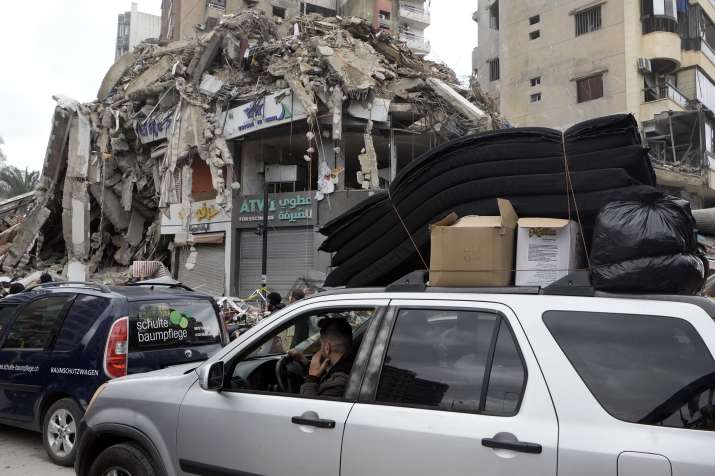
<point x="173" y="161"/>
<point x="653" y="58"/>
<point x="406" y="19"/>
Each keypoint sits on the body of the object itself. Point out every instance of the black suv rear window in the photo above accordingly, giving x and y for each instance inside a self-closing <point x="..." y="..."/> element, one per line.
<point x="179" y="323"/>
<point x="642" y="369"/>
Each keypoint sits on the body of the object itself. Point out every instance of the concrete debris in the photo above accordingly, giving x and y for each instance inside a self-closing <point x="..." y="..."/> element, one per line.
<point x="115" y="165"/>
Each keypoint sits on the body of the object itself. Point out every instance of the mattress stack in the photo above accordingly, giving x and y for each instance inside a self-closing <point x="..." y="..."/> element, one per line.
<point x="376" y="242"/>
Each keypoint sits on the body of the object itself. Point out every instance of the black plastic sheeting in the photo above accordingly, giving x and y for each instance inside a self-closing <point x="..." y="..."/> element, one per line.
<point x="371" y="246"/>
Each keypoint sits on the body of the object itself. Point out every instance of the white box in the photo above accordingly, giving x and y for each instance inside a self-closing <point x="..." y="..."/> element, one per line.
<point x="547" y="249"/>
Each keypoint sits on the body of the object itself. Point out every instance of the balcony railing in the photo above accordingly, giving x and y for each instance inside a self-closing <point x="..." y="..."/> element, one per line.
<point x="409" y="12"/>
<point x="665" y="91"/>
<point x="416" y="43"/>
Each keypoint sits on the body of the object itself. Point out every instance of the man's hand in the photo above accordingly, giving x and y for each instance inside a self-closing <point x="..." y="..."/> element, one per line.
<point x="298" y="356"/>
<point x="317" y="365"/>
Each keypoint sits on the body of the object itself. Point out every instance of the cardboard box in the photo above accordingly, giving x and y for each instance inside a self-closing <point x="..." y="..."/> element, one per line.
<point x="474" y="250"/>
<point x="547" y="249"/>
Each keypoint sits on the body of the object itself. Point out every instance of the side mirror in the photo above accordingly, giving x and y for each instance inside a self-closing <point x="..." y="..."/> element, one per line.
<point x="211" y="377"/>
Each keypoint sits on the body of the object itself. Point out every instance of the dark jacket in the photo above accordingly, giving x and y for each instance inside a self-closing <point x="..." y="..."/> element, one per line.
<point x="333" y="382"/>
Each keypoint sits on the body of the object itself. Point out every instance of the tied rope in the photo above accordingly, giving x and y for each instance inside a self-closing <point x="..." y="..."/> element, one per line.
<point x="571" y="195"/>
<point x="409" y="235"/>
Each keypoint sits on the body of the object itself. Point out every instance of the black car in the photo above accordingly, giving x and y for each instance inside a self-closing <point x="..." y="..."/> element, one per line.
<point x="60" y="341"/>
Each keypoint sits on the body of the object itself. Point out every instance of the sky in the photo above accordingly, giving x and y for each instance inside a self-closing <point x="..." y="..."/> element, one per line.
<point x="66" y="46"/>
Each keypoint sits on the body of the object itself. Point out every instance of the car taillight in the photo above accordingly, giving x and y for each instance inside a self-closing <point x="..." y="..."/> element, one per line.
<point x="117" y="350"/>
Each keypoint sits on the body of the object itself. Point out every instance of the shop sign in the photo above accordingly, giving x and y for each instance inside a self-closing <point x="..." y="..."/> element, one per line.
<point x="156" y="128"/>
<point x="261" y="113"/>
<point x="285" y="209"/>
<point x="201" y="217"/>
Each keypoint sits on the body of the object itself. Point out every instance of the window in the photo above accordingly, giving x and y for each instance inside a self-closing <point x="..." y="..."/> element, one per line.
<point x="535" y="81"/>
<point x="256" y="369"/>
<point x="493" y="69"/>
<point x="279" y="12"/>
<point x="534" y="20"/>
<point x="534" y="34"/>
<point x="6" y="313"/>
<point x="536" y="97"/>
<point x="84" y="312"/>
<point x="665" y="376"/>
<point x="659" y="15"/>
<point x="494" y="15"/>
<point x="157" y="324"/>
<point x="38" y="323"/>
<point x="589" y="88"/>
<point x="588" y="20"/>
<point x="452" y="360"/>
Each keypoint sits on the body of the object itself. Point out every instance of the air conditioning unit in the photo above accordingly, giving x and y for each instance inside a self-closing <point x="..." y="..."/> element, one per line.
<point x="644" y="65"/>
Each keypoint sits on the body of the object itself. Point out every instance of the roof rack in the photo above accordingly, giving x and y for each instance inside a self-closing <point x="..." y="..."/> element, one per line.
<point x="166" y="285"/>
<point x="72" y="284"/>
<point x="575" y="284"/>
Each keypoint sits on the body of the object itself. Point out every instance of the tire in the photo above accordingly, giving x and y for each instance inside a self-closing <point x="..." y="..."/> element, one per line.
<point x="60" y="425"/>
<point x="124" y="459"/>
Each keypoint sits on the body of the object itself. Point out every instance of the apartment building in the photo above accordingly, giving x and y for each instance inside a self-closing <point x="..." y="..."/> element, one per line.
<point x="557" y="62"/>
<point x="133" y="27"/>
<point x="407" y="18"/>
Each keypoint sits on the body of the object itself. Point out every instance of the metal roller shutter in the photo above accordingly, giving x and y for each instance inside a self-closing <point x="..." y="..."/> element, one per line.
<point x="290" y="256"/>
<point x="209" y="274"/>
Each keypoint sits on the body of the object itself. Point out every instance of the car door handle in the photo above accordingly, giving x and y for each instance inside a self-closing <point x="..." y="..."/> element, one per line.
<point x="316" y="422"/>
<point x="520" y="446"/>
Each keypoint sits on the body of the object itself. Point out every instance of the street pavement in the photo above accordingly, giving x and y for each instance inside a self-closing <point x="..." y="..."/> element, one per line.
<point x="22" y="454"/>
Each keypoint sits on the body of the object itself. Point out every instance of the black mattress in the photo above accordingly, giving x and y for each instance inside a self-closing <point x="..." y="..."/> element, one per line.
<point x="370" y="245"/>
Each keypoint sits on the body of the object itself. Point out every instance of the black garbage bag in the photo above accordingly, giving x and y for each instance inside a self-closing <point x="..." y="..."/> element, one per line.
<point x="655" y="225"/>
<point x="682" y="273"/>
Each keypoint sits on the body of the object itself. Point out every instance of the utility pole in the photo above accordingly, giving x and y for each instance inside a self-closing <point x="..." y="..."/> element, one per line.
<point x="264" y="235"/>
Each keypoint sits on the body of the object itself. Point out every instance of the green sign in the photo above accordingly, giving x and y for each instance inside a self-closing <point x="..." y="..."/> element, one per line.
<point x="284" y="209"/>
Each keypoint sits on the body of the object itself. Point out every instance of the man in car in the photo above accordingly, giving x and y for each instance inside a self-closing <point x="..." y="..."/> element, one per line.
<point x="329" y="369"/>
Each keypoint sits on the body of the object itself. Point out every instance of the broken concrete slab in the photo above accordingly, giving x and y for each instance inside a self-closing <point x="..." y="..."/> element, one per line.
<point x="210" y="51"/>
<point x="210" y="85"/>
<point x="461" y="104"/>
<point x="150" y="76"/>
<point x="377" y="109"/>
<point x="114" y="74"/>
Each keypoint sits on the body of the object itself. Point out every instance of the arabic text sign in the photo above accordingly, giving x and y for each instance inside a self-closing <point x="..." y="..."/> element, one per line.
<point x="156" y="128"/>
<point x="285" y="209"/>
<point x="202" y="213"/>
<point x="261" y="113"/>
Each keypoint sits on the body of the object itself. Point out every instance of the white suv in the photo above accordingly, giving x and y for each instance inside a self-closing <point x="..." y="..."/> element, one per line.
<point x="505" y="382"/>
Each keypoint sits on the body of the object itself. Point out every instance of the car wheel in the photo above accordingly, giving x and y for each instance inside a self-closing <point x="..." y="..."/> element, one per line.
<point x="59" y="431"/>
<point x="124" y="459"/>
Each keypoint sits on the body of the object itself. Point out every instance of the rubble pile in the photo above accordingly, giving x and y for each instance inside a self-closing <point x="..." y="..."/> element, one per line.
<point x="104" y="185"/>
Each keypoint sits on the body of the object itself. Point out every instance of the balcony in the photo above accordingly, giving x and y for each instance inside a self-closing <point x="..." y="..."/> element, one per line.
<point x="416" y="43"/>
<point x="414" y="14"/>
<point x="663" y="48"/>
<point x="665" y="91"/>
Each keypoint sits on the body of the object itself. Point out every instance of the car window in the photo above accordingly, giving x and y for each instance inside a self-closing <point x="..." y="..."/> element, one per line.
<point x="6" y="313"/>
<point x="38" y="323"/>
<point x="255" y="370"/>
<point x="642" y="369"/>
<point x="452" y="360"/>
<point x="179" y="323"/>
<point x="82" y="314"/>
<point x="303" y="332"/>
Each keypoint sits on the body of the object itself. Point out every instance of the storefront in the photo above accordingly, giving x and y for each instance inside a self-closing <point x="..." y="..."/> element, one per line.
<point x="291" y="240"/>
<point x="202" y="235"/>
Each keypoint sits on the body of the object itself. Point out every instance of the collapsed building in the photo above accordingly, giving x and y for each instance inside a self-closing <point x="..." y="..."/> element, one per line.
<point x="172" y="160"/>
